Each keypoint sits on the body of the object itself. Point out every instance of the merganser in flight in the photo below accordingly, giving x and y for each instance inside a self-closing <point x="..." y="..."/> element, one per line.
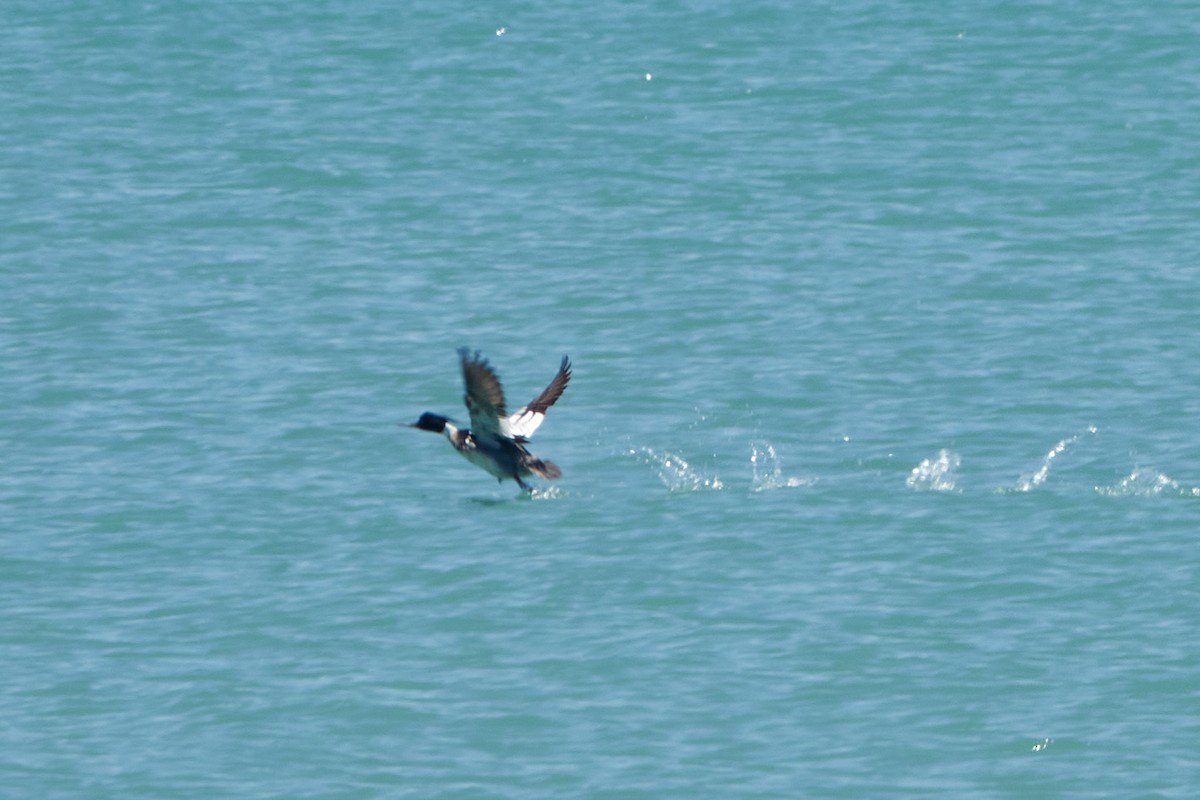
<point x="496" y="439"/>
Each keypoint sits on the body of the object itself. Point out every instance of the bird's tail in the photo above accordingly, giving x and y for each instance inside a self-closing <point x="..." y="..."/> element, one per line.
<point x="547" y="469"/>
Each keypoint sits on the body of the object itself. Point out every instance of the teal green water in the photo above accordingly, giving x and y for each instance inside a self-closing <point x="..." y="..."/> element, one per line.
<point x="880" y="458"/>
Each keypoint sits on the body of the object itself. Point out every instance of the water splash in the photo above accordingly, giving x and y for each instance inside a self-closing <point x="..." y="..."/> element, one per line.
<point x="537" y="493"/>
<point x="1028" y="482"/>
<point x="767" y="469"/>
<point x="675" y="472"/>
<point x="1147" y="483"/>
<point x="1042" y="745"/>
<point x="935" y="474"/>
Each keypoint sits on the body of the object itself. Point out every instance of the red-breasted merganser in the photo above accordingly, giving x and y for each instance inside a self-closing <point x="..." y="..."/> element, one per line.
<point x="496" y="439"/>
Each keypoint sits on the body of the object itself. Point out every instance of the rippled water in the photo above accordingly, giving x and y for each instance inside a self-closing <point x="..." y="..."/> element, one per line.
<point x="879" y="458"/>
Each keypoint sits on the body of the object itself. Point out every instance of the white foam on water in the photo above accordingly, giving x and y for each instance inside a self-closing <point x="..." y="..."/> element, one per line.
<point x="935" y="474"/>
<point x="1143" y="482"/>
<point x="1038" y="477"/>
<point x="766" y="469"/>
<point x="675" y="472"/>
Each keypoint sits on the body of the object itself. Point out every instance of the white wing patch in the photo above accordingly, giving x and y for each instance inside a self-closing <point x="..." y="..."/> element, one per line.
<point x="523" y="422"/>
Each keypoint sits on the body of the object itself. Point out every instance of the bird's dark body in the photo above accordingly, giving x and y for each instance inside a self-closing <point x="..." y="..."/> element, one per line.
<point x="504" y="458"/>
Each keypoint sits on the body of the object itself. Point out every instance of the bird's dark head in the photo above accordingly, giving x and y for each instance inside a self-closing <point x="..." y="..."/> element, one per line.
<point x="429" y="421"/>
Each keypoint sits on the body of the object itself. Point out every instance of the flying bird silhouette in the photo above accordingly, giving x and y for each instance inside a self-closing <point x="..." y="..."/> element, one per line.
<point x="496" y="439"/>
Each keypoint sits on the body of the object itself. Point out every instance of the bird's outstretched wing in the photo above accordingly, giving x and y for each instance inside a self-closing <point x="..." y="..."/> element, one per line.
<point x="526" y="419"/>
<point x="484" y="396"/>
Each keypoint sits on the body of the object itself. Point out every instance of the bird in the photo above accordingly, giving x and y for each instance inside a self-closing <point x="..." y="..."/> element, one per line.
<point x="496" y="439"/>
